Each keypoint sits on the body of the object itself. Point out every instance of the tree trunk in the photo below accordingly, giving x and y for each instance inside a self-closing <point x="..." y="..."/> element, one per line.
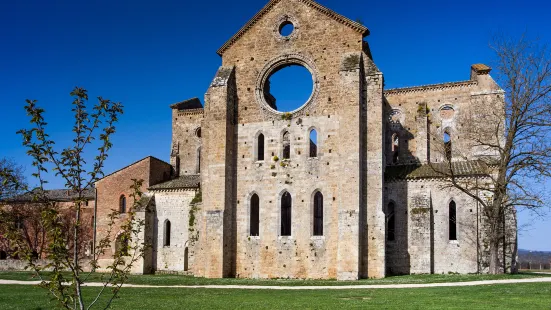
<point x="494" y="256"/>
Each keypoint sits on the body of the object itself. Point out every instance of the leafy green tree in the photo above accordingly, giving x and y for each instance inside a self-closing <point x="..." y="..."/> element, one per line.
<point x="92" y="128"/>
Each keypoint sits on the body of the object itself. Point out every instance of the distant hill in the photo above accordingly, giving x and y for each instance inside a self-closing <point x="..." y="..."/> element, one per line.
<point x="535" y="257"/>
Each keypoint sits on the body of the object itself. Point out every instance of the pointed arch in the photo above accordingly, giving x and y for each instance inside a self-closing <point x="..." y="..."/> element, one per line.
<point x="452" y="220"/>
<point x="313" y="137"/>
<point x="198" y="167"/>
<point x="318" y="214"/>
<point x="166" y="233"/>
<point x="260" y="146"/>
<point x="286" y="151"/>
<point x="122" y="204"/>
<point x="254" y="223"/>
<point x="447" y="139"/>
<point x="286" y="212"/>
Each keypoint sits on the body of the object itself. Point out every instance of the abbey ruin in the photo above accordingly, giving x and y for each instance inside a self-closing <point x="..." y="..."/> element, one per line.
<point x="248" y="193"/>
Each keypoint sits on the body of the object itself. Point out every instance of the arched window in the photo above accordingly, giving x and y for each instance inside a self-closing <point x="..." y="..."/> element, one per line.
<point x="260" y="147"/>
<point x="3" y="255"/>
<point x="390" y="222"/>
<point x="453" y="220"/>
<point x="121" y="245"/>
<point x="186" y="259"/>
<point x="286" y="145"/>
<point x="255" y="215"/>
<point x="122" y="204"/>
<point x="447" y="145"/>
<point x="198" y="168"/>
<point x="286" y="205"/>
<point x="318" y="214"/>
<point x="395" y="148"/>
<point x="313" y="143"/>
<point x="167" y="233"/>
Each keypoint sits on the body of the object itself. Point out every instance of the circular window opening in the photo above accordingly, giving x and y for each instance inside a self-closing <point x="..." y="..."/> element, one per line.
<point x="288" y="88"/>
<point x="198" y="132"/>
<point x="286" y="28"/>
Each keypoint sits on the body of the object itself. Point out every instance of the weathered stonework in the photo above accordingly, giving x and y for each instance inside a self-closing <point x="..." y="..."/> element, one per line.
<point x="369" y="143"/>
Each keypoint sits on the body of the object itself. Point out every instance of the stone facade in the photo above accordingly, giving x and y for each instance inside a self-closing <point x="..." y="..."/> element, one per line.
<point x="228" y="211"/>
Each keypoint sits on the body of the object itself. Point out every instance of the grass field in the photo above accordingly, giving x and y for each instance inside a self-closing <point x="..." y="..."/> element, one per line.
<point x="188" y="280"/>
<point x="504" y="296"/>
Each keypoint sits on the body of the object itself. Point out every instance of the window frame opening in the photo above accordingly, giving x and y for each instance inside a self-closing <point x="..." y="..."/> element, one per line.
<point x="318" y="214"/>
<point x="260" y="139"/>
<point x="167" y="230"/>
<point x="395" y="147"/>
<point x="286" y="147"/>
<point x="122" y="204"/>
<point x="447" y="139"/>
<point x="254" y="217"/>
<point x="452" y="221"/>
<point x="313" y="144"/>
<point x="286" y="214"/>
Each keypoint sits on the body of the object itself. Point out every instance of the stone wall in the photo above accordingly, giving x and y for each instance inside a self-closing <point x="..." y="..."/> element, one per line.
<point x="173" y="206"/>
<point x="422" y="242"/>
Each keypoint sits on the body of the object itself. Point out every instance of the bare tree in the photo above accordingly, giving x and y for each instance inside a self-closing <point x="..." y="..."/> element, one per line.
<point x="507" y="139"/>
<point x="11" y="186"/>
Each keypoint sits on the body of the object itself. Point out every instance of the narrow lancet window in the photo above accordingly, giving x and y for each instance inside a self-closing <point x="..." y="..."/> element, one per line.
<point x="260" y="147"/>
<point x="255" y="215"/>
<point x="313" y="143"/>
<point x="395" y="148"/>
<point x="286" y="205"/>
<point x="198" y="168"/>
<point x="286" y="145"/>
<point x="122" y="204"/>
<point x="453" y="220"/>
<point x="167" y="233"/>
<point x="318" y="214"/>
<point x="391" y="222"/>
<point x="447" y="146"/>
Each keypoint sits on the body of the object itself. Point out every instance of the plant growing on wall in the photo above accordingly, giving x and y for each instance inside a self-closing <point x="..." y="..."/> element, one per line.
<point x="92" y="128"/>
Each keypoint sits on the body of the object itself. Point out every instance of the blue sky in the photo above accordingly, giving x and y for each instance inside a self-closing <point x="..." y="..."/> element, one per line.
<point x="149" y="54"/>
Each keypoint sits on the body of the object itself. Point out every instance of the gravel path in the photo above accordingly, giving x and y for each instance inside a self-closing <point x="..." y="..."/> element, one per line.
<point x="340" y="287"/>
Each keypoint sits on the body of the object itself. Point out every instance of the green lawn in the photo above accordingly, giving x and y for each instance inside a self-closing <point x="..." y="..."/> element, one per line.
<point x="504" y="296"/>
<point x="188" y="280"/>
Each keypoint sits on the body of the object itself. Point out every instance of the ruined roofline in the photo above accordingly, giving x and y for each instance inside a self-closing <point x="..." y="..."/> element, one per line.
<point x="476" y="69"/>
<point x="342" y="19"/>
<point x="429" y="87"/>
<point x="132" y="164"/>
